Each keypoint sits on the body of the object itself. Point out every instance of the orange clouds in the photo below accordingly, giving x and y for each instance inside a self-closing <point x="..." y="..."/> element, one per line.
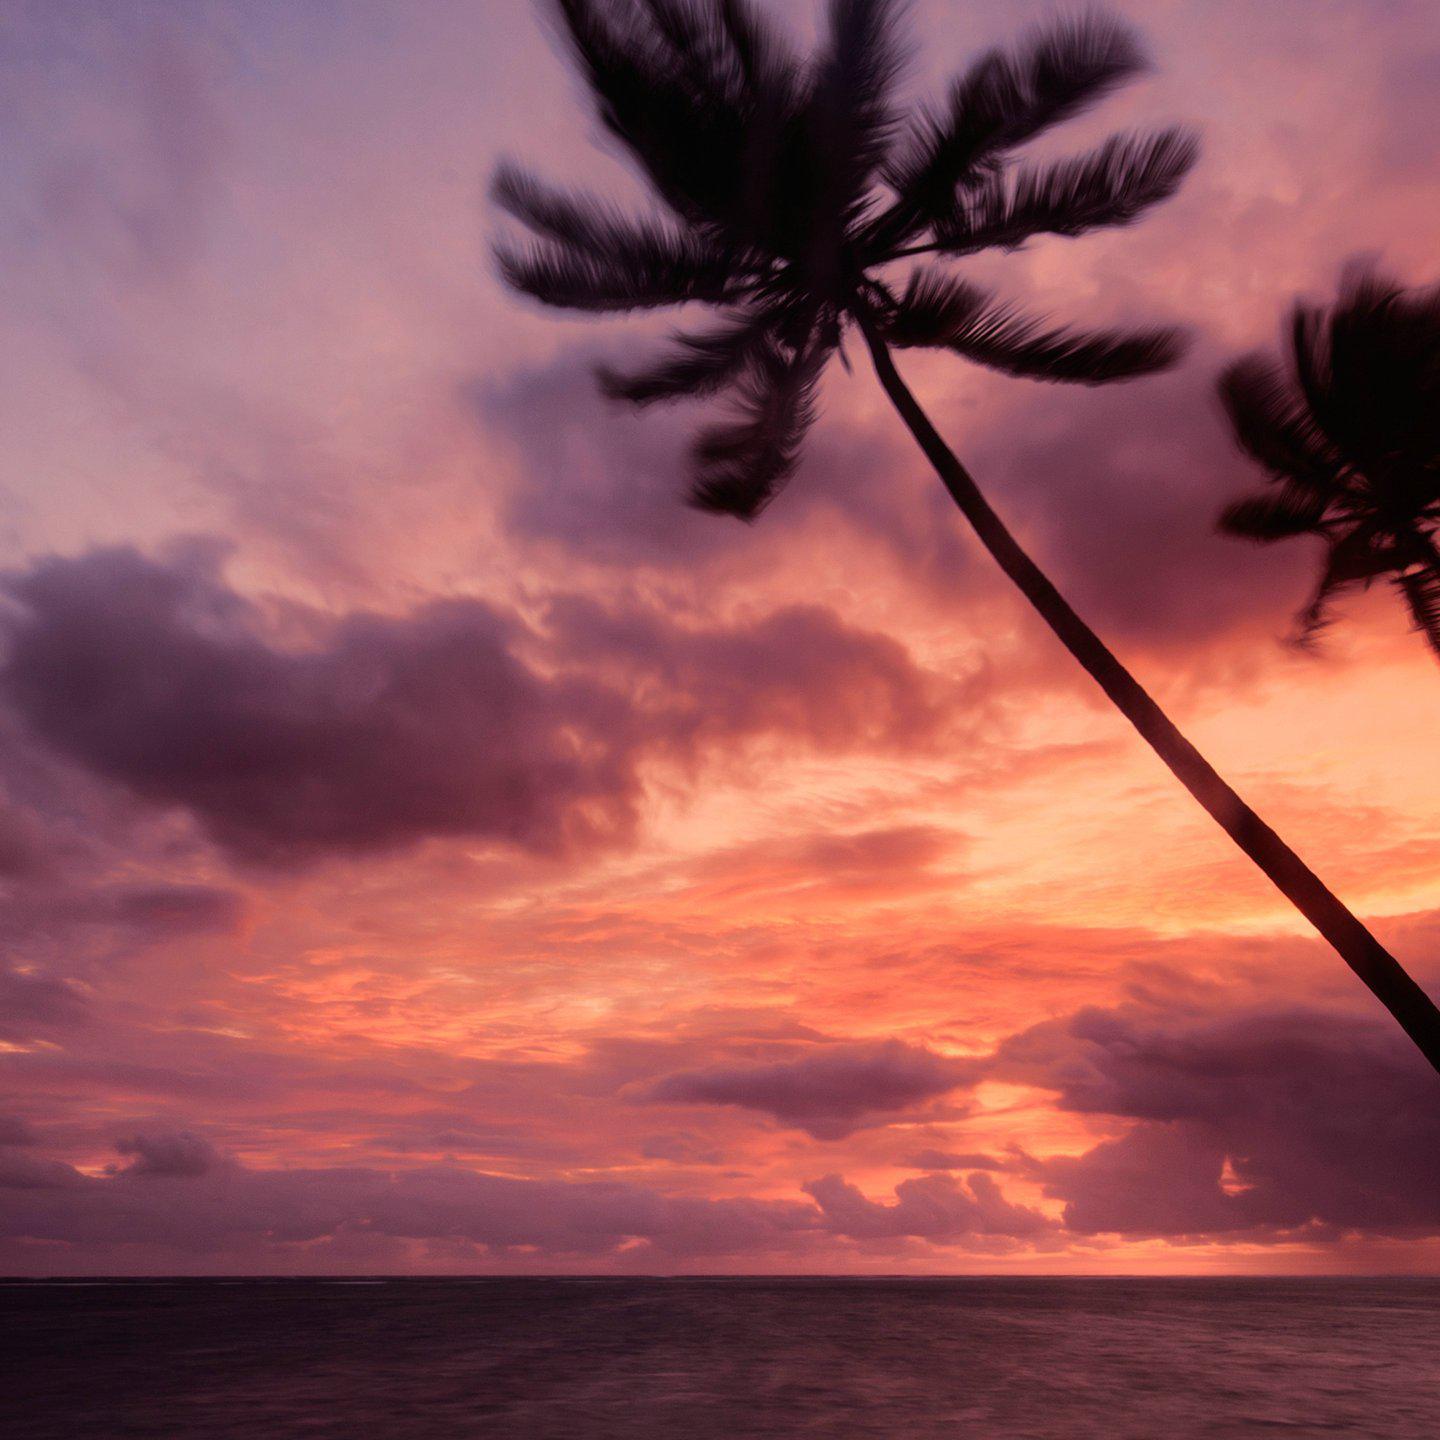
<point x="638" y="890"/>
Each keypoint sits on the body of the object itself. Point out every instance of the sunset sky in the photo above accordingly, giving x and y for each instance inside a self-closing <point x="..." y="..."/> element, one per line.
<point x="426" y="845"/>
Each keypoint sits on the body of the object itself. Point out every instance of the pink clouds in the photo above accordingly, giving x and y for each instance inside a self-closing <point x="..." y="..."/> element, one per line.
<point x="494" y="863"/>
<point x="16" y="1132"/>
<point x="294" y="1207"/>
<point x="798" y="672"/>
<point x="1269" y="1127"/>
<point x="828" y="1092"/>
<point x="1260" y="1127"/>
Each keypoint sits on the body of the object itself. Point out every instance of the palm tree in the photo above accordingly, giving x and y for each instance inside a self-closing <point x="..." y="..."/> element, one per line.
<point x="789" y="189"/>
<point x="1351" y="438"/>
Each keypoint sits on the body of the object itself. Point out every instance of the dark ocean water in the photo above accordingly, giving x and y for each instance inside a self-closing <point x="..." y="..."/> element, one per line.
<point x="722" y="1359"/>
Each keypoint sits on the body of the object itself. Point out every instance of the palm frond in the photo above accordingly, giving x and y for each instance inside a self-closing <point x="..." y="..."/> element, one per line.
<point x="939" y="311"/>
<point x="697" y="41"/>
<point x="723" y="47"/>
<point x="1271" y="423"/>
<point x="689" y="138"/>
<point x="1355" y="558"/>
<point x="934" y="307"/>
<point x="699" y="365"/>
<point x="742" y="463"/>
<point x="1278" y="514"/>
<point x="646" y="269"/>
<point x="1421" y="588"/>
<point x="1311" y="356"/>
<point x="1113" y="185"/>
<point x="769" y="167"/>
<point x="573" y="221"/>
<point x="1384" y="367"/>
<point x="1020" y="345"/>
<point x="1343" y="403"/>
<point x="764" y="59"/>
<point x="852" y="119"/>
<point x="1004" y="100"/>
<point x="705" y="95"/>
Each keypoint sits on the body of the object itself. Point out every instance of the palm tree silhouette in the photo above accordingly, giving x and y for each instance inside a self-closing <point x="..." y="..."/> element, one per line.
<point x="1351" y="438"/>
<point x="789" y="190"/>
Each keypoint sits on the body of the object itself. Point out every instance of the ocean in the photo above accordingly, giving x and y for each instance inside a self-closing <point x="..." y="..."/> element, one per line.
<point x="724" y="1359"/>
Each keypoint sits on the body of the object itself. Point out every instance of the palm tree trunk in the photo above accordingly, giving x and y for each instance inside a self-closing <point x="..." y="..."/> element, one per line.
<point x="1388" y="981"/>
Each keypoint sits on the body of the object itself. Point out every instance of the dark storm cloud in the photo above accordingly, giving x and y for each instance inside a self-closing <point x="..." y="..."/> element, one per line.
<point x="173" y="1154"/>
<point x="1261" y="1123"/>
<point x="930" y="1207"/>
<point x="158" y="675"/>
<point x="829" y="1093"/>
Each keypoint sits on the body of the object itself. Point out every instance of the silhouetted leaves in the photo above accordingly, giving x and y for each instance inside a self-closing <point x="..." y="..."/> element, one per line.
<point x="700" y="364"/>
<point x="1114" y="185"/>
<point x="650" y="270"/>
<point x="1270" y="421"/>
<point x="1004" y="100"/>
<point x="743" y="462"/>
<point x="1421" y="588"/>
<point x="1282" y="513"/>
<point x="1351" y="440"/>
<point x="690" y="115"/>
<point x="851" y="122"/>
<point x="1353" y="559"/>
<point x="775" y="172"/>
<point x="939" y="311"/>
<point x="935" y="306"/>
<point x="592" y="257"/>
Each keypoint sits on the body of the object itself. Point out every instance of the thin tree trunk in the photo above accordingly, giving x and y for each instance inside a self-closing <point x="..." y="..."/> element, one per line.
<point x="1388" y="981"/>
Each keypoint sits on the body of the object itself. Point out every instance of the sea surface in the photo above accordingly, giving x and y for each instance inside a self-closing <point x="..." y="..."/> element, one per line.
<point x="720" y="1359"/>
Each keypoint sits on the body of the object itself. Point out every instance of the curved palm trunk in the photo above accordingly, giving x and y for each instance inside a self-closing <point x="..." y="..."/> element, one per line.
<point x="1388" y="981"/>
